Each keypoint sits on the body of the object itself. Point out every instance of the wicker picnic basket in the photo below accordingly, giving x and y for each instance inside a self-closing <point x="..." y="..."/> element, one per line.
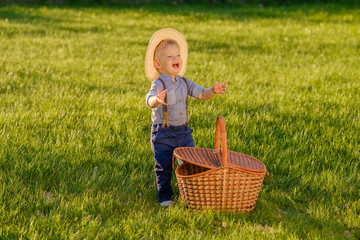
<point x="219" y="179"/>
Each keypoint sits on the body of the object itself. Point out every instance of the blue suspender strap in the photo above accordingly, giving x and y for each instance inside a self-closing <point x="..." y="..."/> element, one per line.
<point x="187" y="95"/>
<point x="165" y="110"/>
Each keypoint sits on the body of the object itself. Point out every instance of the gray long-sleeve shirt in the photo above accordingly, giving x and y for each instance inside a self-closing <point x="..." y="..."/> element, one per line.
<point x="176" y="99"/>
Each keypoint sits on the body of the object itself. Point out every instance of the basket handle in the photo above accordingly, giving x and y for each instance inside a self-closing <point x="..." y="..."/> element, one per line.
<point x="221" y="134"/>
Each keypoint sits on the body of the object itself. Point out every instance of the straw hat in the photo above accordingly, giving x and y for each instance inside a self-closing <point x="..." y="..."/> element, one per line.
<point x="156" y="38"/>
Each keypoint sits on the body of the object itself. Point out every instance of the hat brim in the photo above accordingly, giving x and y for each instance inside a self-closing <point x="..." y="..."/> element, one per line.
<point x="156" y="38"/>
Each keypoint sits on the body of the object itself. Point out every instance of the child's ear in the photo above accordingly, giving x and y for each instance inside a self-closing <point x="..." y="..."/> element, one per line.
<point x="157" y="64"/>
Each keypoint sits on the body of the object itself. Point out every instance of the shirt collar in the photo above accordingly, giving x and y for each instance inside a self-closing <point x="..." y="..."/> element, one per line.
<point x="168" y="78"/>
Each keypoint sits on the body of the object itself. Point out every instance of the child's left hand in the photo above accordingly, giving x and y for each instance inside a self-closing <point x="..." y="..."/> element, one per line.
<point x="219" y="88"/>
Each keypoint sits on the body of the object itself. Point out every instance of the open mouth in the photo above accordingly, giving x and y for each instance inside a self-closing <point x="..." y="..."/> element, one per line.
<point x="176" y="65"/>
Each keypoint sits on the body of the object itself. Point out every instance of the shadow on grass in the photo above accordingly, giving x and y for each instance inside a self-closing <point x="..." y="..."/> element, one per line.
<point x="32" y="14"/>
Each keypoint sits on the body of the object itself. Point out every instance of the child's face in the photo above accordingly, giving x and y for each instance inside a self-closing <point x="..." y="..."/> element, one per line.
<point x="168" y="60"/>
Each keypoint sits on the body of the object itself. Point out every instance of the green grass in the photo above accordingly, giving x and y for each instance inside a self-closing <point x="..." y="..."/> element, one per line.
<point x="75" y="158"/>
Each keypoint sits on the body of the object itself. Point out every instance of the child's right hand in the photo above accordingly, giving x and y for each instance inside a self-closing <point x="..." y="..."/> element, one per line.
<point x="161" y="96"/>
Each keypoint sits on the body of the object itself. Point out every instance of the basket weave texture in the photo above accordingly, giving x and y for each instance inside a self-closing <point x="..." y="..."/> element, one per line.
<point x="219" y="179"/>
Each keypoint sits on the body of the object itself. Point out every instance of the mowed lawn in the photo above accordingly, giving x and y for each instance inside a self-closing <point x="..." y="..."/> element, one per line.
<point x="75" y="157"/>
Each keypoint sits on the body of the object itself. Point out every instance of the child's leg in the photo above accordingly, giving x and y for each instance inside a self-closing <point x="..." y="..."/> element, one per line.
<point x="186" y="140"/>
<point x="163" y="171"/>
<point x="163" y="145"/>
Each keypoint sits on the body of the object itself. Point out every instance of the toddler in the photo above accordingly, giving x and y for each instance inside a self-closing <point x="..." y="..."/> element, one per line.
<point x="165" y="65"/>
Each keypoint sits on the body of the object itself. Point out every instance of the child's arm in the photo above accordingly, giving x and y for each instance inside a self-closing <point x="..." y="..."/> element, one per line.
<point x="218" y="88"/>
<point x="155" y="101"/>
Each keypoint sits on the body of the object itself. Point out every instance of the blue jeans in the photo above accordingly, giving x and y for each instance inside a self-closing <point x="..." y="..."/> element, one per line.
<point x="163" y="142"/>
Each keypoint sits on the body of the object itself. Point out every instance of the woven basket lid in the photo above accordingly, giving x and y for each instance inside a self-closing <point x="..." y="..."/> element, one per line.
<point x="219" y="157"/>
<point x="211" y="158"/>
